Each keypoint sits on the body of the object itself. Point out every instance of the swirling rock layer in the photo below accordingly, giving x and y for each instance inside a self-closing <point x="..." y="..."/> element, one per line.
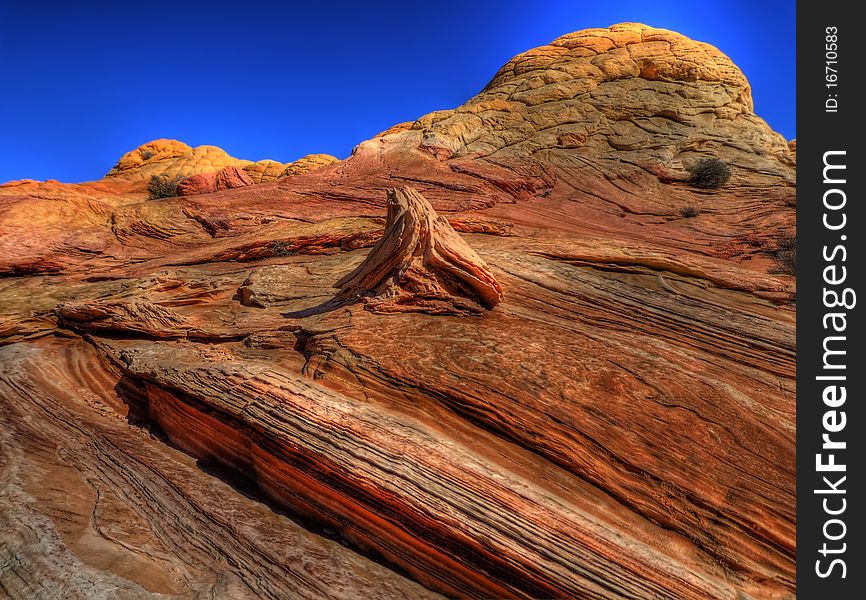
<point x="421" y="264"/>
<point x="190" y="408"/>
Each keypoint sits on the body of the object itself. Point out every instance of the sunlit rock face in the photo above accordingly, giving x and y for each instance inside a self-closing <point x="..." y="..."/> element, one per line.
<point x="551" y="366"/>
<point x="175" y="160"/>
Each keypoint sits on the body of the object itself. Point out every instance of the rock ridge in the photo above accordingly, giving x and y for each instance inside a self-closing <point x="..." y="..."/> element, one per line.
<point x="174" y="159"/>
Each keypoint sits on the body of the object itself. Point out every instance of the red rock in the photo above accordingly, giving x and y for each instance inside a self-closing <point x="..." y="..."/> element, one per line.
<point x="229" y="178"/>
<point x="104" y="484"/>
<point x="226" y="178"/>
<point x="619" y="424"/>
<point x="203" y="183"/>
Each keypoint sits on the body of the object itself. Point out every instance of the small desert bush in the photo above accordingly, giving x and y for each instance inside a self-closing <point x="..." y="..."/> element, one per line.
<point x="687" y="212"/>
<point x="281" y="249"/>
<point x="146" y="154"/>
<point x="163" y="186"/>
<point x="786" y="255"/>
<point x="709" y="173"/>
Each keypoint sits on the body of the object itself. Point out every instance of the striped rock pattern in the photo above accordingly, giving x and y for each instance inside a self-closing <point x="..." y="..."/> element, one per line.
<point x="191" y="406"/>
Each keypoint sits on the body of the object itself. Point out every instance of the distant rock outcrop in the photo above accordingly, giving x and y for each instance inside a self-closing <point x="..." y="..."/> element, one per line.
<point x="202" y="183"/>
<point x="629" y="94"/>
<point x="174" y="159"/>
<point x="265" y="170"/>
<point x="308" y="163"/>
<point x="170" y="158"/>
<point x="227" y="178"/>
<point x="150" y="158"/>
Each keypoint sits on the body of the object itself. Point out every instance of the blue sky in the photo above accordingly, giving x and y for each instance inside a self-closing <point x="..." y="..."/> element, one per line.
<point x="84" y="82"/>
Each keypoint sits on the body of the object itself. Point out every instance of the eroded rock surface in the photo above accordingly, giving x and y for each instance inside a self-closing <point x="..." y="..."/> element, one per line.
<point x="174" y="159"/>
<point x="619" y="425"/>
<point x="308" y="163"/>
<point x="421" y="264"/>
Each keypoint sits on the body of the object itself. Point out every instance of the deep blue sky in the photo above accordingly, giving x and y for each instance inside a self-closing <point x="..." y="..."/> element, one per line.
<point x="84" y="82"/>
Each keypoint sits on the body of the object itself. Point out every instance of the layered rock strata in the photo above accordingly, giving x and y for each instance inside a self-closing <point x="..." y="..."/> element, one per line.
<point x="620" y="424"/>
<point x="421" y="264"/>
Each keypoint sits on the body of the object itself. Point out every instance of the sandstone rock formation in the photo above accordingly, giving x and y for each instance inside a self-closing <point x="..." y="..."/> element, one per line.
<point x="629" y="96"/>
<point x="421" y="264"/>
<point x="266" y="170"/>
<point x="229" y="178"/>
<point x="148" y="157"/>
<point x="171" y="158"/>
<point x="202" y="183"/>
<point x="308" y="163"/>
<point x="188" y="408"/>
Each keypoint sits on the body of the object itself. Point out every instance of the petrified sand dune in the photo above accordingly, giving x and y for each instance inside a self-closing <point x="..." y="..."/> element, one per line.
<point x="570" y="373"/>
<point x="174" y="159"/>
